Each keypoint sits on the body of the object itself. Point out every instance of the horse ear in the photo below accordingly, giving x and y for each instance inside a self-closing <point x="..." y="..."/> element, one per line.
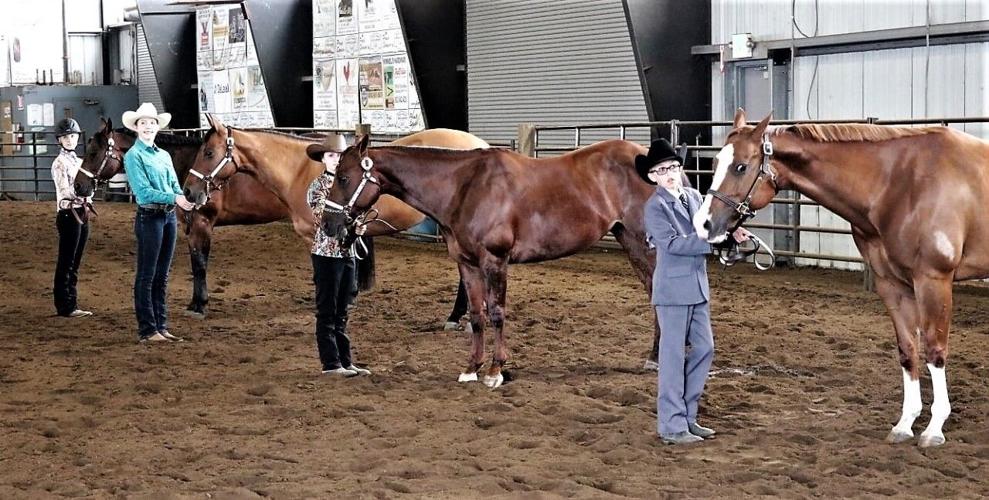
<point x="216" y="123"/>
<point x="761" y="127"/>
<point x="104" y="126"/>
<point x="361" y="143"/>
<point x="209" y="120"/>
<point x="739" y="118"/>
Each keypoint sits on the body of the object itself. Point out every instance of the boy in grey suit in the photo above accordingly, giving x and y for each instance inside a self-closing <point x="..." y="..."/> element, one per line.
<point x="680" y="294"/>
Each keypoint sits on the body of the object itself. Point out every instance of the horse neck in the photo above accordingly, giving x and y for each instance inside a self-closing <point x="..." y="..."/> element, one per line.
<point x="838" y="176"/>
<point x="416" y="176"/>
<point x="280" y="164"/>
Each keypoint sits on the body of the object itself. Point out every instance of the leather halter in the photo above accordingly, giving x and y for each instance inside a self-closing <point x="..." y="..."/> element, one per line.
<point x="366" y="165"/>
<point x="731" y="251"/>
<point x="110" y="153"/>
<point x="228" y="157"/>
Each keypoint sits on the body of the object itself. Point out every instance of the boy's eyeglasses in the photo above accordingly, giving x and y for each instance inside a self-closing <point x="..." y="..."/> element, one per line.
<point x="663" y="170"/>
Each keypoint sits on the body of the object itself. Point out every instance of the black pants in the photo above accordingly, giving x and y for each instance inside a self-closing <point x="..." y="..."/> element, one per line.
<point x="72" y="238"/>
<point x="336" y="288"/>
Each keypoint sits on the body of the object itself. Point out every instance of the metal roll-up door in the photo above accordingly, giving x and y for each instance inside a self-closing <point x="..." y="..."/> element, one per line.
<point x="147" y="83"/>
<point x="551" y="62"/>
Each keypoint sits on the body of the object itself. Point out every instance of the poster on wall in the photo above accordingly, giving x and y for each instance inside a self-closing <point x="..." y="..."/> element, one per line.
<point x="231" y="85"/>
<point x="361" y="70"/>
<point x="34" y="44"/>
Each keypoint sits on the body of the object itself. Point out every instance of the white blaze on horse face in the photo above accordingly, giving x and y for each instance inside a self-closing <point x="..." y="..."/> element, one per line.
<point x="944" y="245"/>
<point x="723" y="161"/>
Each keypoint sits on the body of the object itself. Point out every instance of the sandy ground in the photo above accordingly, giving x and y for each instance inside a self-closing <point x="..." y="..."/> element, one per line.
<point x="805" y="383"/>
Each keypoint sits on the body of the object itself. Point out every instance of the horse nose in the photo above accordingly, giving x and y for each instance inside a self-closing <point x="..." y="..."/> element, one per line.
<point x="187" y="192"/>
<point x="707" y="225"/>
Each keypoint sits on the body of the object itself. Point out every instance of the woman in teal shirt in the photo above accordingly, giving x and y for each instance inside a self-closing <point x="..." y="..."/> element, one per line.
<point x="152" y="180"/>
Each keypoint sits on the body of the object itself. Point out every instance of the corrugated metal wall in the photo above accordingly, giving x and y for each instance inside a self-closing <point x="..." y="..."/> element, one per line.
<point x="940" y="81"/>
<point x="147" y="83"/>
<point x="550" y="62"/>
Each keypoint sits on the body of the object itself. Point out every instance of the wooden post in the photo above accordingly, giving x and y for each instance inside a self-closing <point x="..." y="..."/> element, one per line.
<point x="527" y="139"/>
<point x="868" y="278"/>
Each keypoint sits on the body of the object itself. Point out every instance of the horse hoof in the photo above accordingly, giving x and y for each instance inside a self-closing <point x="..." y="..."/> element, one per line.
<point x="450" y="325"/>
<point x="930" y="441"/>
<point x="195" y="314"/>
<point x="467" y="377"/>
<point x="896" y="436"/>
<point x="493" y="382"/>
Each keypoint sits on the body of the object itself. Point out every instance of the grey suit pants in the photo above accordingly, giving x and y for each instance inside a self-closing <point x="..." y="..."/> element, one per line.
<point x="686" y="350"/>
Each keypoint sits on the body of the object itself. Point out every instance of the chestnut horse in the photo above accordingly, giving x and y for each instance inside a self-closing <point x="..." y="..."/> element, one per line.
<point x="244" y="201"/>
<point x="496" y="207"/>
<point x="914" y="198"/>
<point x="279" y="162"/>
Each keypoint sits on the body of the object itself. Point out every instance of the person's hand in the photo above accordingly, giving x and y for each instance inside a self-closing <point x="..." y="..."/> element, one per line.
<point x="183" y="203"/>
<point x="741" y="235"/>
<point x="360" y="229"/>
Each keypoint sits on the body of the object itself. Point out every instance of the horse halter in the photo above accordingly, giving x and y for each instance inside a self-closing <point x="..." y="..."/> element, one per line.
<point x="110" y="153"/>
<point x="366" y="164"/>
<point x="732" y="253"/>
<point x="228" y="157"/>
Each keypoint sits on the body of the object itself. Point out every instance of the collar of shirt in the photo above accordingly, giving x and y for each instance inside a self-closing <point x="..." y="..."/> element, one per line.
<point x="67" y="152"/>
<point x="676" y="194"/>
<point x="148" y="147"/>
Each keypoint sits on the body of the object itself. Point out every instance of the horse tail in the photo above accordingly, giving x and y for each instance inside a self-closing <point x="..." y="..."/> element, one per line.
<point x="365" y="267"/>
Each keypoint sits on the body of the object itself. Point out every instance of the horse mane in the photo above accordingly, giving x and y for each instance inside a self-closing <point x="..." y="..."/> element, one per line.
<point x="854" y="132"/>
<point x="297" y="138"/>
<point x="165" y="138"/>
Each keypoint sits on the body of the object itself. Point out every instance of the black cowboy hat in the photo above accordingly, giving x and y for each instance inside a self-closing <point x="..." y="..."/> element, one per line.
<point x="659" y="151"/>
<point x="332" y="143"/>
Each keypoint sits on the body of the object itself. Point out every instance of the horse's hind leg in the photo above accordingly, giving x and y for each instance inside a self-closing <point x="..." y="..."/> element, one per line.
<point x="643" y="263"/>
<point x="901" y="304"/>
<point x="474" y="287"/>
<point x="200" y="233"/>
<point x="459" y="308"/>
<point x="934" y="304"/>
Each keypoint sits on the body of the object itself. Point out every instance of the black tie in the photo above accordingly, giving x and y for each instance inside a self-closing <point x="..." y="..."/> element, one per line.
<point x="683" y="200"/>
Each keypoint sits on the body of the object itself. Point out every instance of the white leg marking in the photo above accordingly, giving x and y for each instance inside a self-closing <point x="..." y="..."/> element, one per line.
<point x="940" y="408"/>
<point x="493" y="382"/>
<point x="467" y="377"/>
<point x="722" y="162"/>
<point x="911" y="407"/>
<point x="944" y="245"/>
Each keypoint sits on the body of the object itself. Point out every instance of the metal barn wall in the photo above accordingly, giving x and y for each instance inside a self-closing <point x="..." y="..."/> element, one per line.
<point x="550" y="62"/>
<point x="920" y="82"/>
<point x="147" y="82"/>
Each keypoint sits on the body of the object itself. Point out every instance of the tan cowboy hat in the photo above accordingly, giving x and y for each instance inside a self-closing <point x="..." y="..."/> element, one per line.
<point x="334" y="143"/>
<point x="146" y="110"/>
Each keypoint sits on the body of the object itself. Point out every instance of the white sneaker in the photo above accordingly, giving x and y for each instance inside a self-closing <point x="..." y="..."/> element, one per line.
<point x="79" y="313"/>
<point x="359" y="370"/>
<point x="340" y="372"/>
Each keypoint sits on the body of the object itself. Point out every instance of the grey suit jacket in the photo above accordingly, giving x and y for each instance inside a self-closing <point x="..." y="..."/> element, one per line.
<point x="681" y="269"/>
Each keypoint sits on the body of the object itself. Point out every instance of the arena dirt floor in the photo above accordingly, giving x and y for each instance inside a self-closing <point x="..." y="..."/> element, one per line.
<point x="804" y="388"/>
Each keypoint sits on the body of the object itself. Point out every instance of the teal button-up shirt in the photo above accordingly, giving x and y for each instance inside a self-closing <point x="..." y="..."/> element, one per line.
<point x="151" y="175"/>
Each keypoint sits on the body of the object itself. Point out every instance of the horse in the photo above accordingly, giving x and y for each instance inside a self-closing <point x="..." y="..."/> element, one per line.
<point x="244" y="201"/>
<point x="496" y="207"/>
<point x="278" y="162"/>
<point x="891" y="184"/>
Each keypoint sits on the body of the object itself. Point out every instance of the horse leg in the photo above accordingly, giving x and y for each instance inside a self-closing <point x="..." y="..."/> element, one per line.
<point x="474" y="285"/>
<point x="934" y="304"/>
<point x="459" y="309"/>
<point x="496" y="277"/>
<point x="200" y="231"/>
<point x="644" y="265"/>
<point x="901" y="304"/>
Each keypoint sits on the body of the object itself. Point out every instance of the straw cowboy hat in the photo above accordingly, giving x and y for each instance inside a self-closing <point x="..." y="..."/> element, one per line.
<point x="146" y="110"/>
<point x="659" y="151"/>
<point x="333" y="143"/>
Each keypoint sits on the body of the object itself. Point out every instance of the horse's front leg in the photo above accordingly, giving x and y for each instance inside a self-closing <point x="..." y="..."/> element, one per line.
<point x="200" y="234"/>
<point x="901" y="304"/>
<point x="496" y="276"/>
<point x="934" y="304"/>
<point x="474" y="286"/>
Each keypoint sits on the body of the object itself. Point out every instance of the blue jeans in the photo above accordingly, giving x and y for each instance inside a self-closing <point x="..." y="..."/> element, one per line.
<point x="155" y="231"/>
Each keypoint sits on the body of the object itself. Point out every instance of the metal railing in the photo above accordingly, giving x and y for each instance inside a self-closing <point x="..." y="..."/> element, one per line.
<point x="791" y="231"/>
<point x="25" y="164"/>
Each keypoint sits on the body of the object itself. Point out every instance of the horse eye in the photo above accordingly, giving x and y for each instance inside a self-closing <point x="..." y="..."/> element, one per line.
<point x="343" y="181"/>
<point x="208" y="154"/>
<point x="740" y="168"/>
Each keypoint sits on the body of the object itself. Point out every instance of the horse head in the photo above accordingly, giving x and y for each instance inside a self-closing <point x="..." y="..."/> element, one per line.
<point x="215" y="162"/>
<point x="103" y="159"/>
<point x="355" y="190"/>
<point x="744" y="180"/>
